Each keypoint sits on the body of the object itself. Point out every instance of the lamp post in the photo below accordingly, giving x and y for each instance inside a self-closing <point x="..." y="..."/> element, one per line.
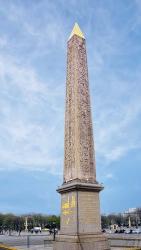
<point x="26" y="224"/>
<point x="129" y="221"/>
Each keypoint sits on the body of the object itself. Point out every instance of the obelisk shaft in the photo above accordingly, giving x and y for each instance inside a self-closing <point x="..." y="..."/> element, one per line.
<point x="79" y="163"/>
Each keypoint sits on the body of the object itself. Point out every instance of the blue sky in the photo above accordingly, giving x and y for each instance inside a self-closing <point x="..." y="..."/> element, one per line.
<point x="33" y="37"/>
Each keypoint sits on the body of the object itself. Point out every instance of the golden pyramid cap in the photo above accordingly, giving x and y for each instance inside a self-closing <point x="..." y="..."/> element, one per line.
<point x="76" y="31"/>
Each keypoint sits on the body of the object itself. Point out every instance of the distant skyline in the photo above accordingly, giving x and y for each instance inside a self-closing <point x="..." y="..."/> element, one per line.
<point x="33" y="47"/>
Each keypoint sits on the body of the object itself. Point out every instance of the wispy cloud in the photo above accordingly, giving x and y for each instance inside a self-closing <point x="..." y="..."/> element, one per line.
<point x="32" y="76"/>
<point x="33" y="38"/>
<point x="28" y="139"/>
<point x="115" y="77"/>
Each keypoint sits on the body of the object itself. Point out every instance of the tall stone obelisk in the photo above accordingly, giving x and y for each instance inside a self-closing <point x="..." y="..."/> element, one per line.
<point x="80" y="210"/>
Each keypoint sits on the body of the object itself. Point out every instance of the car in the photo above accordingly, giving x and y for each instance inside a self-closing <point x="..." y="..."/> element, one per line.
<point x="137" y="231"/>
<point x="127" y="231"/>
<point x="108" y="231"/>
<point x="36" y="230"/>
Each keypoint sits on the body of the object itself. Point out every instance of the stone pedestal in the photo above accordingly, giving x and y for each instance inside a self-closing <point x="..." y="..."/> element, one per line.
<point x="80" y="218"/>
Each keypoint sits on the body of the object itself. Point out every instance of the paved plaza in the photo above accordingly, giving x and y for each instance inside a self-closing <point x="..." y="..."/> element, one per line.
<point x="44" y="241"/>
<point x="26" y="241"/>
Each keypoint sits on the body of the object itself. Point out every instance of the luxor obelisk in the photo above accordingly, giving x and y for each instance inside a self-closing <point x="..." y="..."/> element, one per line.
<point x="80" y="209"/>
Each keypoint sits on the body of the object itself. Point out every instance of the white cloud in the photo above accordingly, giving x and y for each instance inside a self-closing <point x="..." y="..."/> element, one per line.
<point x="26" y="142"/>
<point x="32" y="109"/>
<point x="29" y="146"/>
<point x="116" y="128"/>
<point x="109" y="176"/>
<point x="25" y="79"/>
<point x="115" y="86"/>
<point x="3" y="41"/>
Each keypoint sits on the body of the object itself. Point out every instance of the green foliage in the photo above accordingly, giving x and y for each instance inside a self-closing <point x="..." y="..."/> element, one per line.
<point x="121" y="219"/>
<point x="54" y="219"/>
<point x="13" y="222"/>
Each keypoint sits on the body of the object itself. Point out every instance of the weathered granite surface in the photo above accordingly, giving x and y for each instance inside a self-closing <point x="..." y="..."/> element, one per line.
<point x="80" y="206"/>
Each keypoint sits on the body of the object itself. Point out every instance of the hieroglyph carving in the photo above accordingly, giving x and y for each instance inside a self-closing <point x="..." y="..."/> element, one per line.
<point x="79" y="162"/>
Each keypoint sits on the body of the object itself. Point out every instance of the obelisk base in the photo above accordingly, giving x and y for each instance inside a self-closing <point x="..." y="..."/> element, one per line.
<point x="81" y="242"/>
